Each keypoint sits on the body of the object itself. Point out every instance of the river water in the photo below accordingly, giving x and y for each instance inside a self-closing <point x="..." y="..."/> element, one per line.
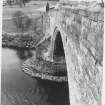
<point x="17" y="88"/>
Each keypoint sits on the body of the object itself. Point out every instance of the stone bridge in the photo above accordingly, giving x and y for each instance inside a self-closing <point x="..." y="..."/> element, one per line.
<point x="81" y="33"/>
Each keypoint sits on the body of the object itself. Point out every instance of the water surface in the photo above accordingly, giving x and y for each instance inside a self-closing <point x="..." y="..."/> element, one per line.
<point x="20" y="89"/>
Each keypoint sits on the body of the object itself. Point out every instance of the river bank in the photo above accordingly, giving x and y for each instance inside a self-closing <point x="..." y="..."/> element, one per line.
<point x="27" y="40"/>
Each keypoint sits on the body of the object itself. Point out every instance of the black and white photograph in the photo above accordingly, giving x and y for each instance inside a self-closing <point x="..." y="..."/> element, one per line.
<point x="52" y="52"/>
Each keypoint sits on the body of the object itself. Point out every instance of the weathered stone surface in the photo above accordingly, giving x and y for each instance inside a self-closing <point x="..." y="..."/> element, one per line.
<point x="81" y="30"/>
<point x="82" y="36"/>
<point x="33" y="68"/>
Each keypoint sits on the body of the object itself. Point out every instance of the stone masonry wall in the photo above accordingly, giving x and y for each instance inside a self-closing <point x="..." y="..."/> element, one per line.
<point x="84" y="53"/>
<point x="82" y="36"/>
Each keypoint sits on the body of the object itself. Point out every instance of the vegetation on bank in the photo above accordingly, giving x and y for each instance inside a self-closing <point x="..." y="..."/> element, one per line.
<point x="23" y="38"/>
<point x="21" y="21"/>
<point x="20" y="41"/>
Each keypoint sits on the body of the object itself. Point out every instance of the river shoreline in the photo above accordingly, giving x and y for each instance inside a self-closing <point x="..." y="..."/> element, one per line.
<point x="25" y="41"/>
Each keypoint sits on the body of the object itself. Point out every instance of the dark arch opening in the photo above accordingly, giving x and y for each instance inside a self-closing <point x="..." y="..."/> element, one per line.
<point x="58" y="46"/>
<point x="59" y="55"/>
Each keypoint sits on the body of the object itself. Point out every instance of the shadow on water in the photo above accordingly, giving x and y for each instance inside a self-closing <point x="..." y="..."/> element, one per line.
<point x="56" y="93"/>
<point x="20" y="89"/>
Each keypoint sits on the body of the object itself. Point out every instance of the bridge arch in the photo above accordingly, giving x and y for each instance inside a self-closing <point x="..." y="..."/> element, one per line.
<point x="59" y="37"/>
<point x="58" y="48"/>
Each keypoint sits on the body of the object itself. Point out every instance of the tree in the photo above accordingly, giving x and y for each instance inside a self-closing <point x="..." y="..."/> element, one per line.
<point x="23" y="2"/>
<point x="102" y="4"/>
<point x="21" y="21"/>
<point x="9" y="2"/>
<point x="38" y="26"/>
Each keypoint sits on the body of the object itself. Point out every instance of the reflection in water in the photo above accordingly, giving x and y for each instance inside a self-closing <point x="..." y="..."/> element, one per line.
<point x="20" y="89"/>
<point x="24" y="53"/>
